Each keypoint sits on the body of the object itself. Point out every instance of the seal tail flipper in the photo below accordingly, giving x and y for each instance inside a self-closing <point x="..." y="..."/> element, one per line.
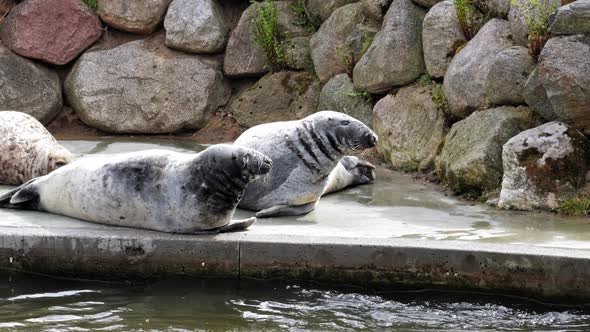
<point x="286" y="210"/>
<point x="20" y="197"/>
<point x="237" y="225"/>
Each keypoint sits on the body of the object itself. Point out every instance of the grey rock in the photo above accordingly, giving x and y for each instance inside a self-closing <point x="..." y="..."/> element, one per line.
<point x="28" y="87"/>
<point x="410" y="127"/>
<point x="339" y="95"/>
<point x="195" y="26"/>
<point x="564" y="73"/>
<point x="464" y="83"/>
<point x="338" y="38"/>
<point x="395" y="57"/>
<point x="441" y="37"/>
<point x="542" y="166"/>
<point x="536" y="97"/>
<point x="282" y="96"/>
<point x="243" y="56"/>
<point x="376" y="8"/>
<point x="324" y="8"/>
<point x="520" y="32"/>
<point x="571" y="19"/>
<point x="471" y="159"/>
<point x="141" y="17"/>
<point x="427" y="3"/>
<point x="144" y="87"/>
<point x="508" y="75"/>
<point x="298" y="53"/>
<point x="498" y="7"/>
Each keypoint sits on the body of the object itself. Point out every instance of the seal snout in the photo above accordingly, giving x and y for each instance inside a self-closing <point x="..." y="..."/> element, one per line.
<point x="370" y="139"/>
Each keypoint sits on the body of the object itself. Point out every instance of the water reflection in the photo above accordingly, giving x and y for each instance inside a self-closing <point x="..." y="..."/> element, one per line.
<point x="230" y="305"/>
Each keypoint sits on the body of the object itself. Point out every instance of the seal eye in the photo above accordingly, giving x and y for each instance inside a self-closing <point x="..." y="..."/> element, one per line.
<point x="59" y="164"/>
<point x="345" y="122"/>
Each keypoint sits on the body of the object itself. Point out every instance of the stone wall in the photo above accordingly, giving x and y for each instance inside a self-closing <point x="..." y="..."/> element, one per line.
<point x="444" y="97"/>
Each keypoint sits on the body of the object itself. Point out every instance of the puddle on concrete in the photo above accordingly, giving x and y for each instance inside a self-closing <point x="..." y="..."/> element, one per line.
<point x="395" y="206"/>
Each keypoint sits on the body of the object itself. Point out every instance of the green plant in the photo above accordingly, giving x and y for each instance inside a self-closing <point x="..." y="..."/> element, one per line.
<point x="536" y="16"/>
<point x="346" y="55"/>
<point x="91" y="3"/>
<point x="469" y="18"/>
<point x="437" y="94"/>
<point x="268" y="36"/>
<point x="425" y="79"/>
<point x="304" y="18"/>
<point x="578" y="205"/>
<point x="362" y="94"/>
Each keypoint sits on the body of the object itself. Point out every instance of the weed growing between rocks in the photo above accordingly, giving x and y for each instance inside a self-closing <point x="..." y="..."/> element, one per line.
<point x="436" y="93"/>
<point x="536" y="16"/>
<point x="365" y="95"/>
<point x="348" y="56"/>
<point x="304" y="18"/>
<point x="578" y="205"/>
<point x="468" y="17"/>
<point x="268" y="37"/>
<point x="91" y="3"/>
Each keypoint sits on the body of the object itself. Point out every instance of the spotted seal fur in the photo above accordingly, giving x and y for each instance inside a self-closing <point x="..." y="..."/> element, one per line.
<point x="304" y="152"/>
<point x="154" y="189"/>
<point x="27" y="149"/>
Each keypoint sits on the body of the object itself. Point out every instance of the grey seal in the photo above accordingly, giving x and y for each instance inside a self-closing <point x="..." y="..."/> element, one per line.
<point x="155" y="189"/>
<point x="27" y="149"/>
<point x="304" y="152"/>
<point x="350" y="171"/>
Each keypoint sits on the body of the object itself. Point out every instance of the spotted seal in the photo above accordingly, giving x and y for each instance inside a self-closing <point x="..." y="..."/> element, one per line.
<point x="154" y="189"/>
<point x="350" y="171"/>
<point x="27" y="149"/>
<point x="304" y="152"/>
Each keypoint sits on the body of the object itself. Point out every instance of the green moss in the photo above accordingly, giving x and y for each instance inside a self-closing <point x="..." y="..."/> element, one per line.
<point x="304" y="18"/>
<point x="268" y="36"/>
<point x="578" y="205"/>
<point x="91" y="3"/>
<point x="536" y="16"/>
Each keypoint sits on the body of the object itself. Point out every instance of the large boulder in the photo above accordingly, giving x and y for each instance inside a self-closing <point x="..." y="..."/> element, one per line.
<point x="282" y="96"/>
<point x="561" y="87"/>
<point x="441" y="37"/>
<point x="427" y="3"/>
<point x="298" y="53"/>
<point x="376" y="8"/>
<point x="339" y="95"/>
<point x="508" y="75"/>
<point x="53" y="31"/>
<point x="335" y="46"/>
<point x="571" y="19"/>
<point x="395" y="56"/>
<point x="28" y="87"/>
<point x="195" y="26"/>
<point x="498" y="7"/>
<point x="243" y="56"/>
<point x="135" y="16"/>
<point x="464" y="83"/>
<point x="520" y="31"/>
<point x="144" y="87"/>
<point x="471" y="159"/>
<point x="324" y="8"/>
<point x="411" y="128"/>
<point x="542" y="166"/>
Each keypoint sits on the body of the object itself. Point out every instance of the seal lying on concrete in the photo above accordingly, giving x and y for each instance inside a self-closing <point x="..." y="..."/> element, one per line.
<point x="350" y="171"/>
<point x="303" y="152"/>
<point x="27" y="149"/>
<point x="154" y="189"/>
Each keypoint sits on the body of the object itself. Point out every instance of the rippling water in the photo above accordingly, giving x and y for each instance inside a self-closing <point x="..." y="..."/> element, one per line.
<point x="43" y="304"/>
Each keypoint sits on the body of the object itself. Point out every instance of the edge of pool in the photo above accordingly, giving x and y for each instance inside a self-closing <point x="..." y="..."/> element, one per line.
<point x="561" y="275"/>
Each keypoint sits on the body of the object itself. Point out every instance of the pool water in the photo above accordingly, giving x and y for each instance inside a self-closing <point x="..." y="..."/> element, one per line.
<point x="36" y="303"/>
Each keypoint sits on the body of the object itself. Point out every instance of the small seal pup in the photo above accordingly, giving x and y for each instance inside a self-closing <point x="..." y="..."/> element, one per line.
<point x="27" y="149"/>
<point x="155" y="189"/>
<point x="304" y="152"/>
<point x="350" y="171"/>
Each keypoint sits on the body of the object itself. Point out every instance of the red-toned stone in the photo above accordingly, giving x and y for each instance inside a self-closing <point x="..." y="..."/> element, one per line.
<point x="54" y="31"/>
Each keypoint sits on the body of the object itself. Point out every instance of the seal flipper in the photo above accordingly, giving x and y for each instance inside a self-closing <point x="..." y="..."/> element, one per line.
<point x="237" y="225"/>
<point x="286" y="210"/>
<point x="23" y="197"/>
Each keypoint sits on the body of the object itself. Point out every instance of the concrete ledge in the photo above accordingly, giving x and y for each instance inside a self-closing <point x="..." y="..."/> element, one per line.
<point x="561" y="274"/>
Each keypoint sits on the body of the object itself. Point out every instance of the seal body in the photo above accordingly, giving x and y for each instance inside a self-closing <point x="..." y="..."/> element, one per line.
<point x="304" y="152"/>
<point x="155" y="189"/>
<point x="27" y="149"/>
<point x="350" y="171"/>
